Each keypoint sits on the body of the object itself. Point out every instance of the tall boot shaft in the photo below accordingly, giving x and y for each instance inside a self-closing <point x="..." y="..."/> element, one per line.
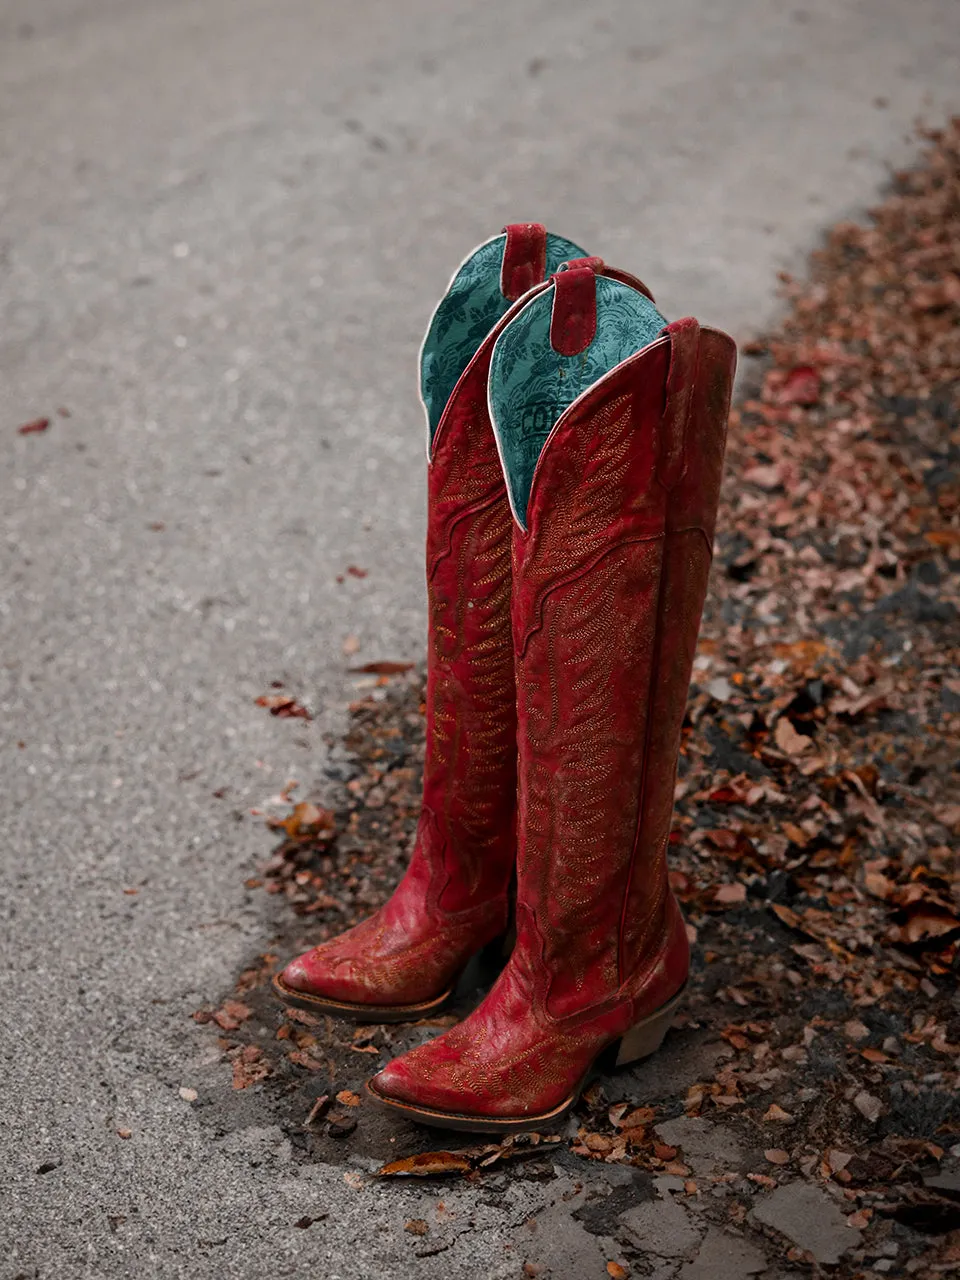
<point x="610" y="578"/>
<point x="467" y="828"/>
<point x="466" y="841"/>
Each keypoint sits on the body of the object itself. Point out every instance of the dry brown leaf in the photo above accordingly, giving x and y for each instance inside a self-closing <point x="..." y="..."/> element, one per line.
<point x="305" y="1060"/>
<point x="787" y="915"/>
<point x="775" y="1114"/>
<point x="874" y="1055"/>
<point x="284" y="706"/>
<point x="638" y="1116"/>
<point x="946" y="538"/>
<point x="796" y="835"/>
<point x="302" y="1016"/>
<point x="635" y="1135"/>
<point x="34" y="427"/>
<point x="616" y="1113"/>
<point x="869" y="1106"/>
<point x="306" y="821"/>
<point x="426" y="1165"/>
<point x="927" y="923"/>
<point x="878" y="885"/>
<point x="237" y="1009"/>
<point x="383" y="668"/>
<point x="788" y="740"/>
<point x="801" y="386"/>
<point x="728" y="894"/>
<point x="598" y="1142"/>
<point x="318" y="1110"/>
<point x="231" y="1014"/>
<point x="249" y="1070"/>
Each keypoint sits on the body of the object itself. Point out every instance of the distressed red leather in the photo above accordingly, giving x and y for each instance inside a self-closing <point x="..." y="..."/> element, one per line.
<point x="609" y="583"/>
<point x="573" y="316"/>
<point x="524" y="258"/>
<point x="454" y="897"/>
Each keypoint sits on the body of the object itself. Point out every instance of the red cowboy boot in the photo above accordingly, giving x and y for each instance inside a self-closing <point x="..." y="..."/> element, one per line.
<point x="406" y="960"/>
<point x="615" y="498"/>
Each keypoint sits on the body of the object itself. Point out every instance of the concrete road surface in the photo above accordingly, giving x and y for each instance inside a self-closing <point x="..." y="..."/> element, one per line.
<point x="223" y="224"/>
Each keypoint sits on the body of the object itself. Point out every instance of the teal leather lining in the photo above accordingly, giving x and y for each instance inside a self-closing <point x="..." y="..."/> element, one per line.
<point x="531" y="384"/>
<point x="468" y="311"/>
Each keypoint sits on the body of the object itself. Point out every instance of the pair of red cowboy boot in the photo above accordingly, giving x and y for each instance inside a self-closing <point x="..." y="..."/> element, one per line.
<point x="576" y="448"/>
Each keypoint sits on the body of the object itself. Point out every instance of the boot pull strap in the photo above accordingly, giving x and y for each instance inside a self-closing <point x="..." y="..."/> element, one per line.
<point x="524" y="258"/>
<point x="573" y="320"/>
<point x="684" y="338"/>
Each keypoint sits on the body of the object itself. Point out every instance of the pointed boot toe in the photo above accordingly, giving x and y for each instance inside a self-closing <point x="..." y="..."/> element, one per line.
<point x="358" y="987"/>
<point x="315" y="980"/>
<point x="395" y="1083"/>
<point x="296" y="976"/>
<point x="415" y="1085"/>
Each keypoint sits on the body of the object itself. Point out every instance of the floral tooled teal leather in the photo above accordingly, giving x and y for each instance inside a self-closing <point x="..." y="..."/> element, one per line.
<point x="531" y="383"/>
<point x="470" y="308"/>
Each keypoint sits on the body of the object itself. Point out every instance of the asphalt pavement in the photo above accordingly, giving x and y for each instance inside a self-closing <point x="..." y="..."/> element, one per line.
<point x="223" y="225"/>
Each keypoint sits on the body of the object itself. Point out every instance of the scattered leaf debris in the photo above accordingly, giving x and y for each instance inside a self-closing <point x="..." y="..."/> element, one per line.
<point x="284" y="706"/>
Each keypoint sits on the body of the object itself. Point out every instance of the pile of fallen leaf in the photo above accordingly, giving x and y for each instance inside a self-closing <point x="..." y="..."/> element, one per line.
<point x="815" y="840"/>
<point x="824" y="722"/>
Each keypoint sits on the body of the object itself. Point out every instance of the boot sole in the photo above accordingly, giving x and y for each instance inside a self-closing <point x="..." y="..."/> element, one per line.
<point x="487" y="961"/>
<point x="640" y="1041"/>
<point x="361" y="1012"/>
